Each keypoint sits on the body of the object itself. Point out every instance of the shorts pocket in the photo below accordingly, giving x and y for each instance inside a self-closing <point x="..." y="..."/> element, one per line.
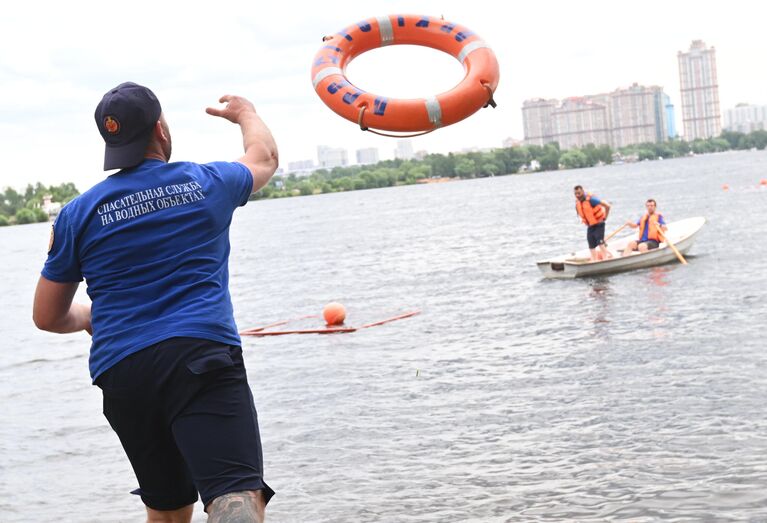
<point x="210" y="362"/>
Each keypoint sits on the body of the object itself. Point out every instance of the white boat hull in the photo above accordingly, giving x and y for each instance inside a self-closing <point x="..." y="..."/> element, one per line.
<point x="682" y="233"/>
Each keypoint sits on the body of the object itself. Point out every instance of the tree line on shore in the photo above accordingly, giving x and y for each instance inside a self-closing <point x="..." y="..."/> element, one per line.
<point x="498" y="162"/>
<point x="27" y="207"/>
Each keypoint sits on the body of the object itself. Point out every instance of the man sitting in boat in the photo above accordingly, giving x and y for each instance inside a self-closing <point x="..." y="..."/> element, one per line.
<point x="649" y="227"/>
<point x="593" y="213"/>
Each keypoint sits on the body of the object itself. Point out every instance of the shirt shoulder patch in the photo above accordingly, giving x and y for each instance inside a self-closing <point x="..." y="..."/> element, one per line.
<point x="50" y="240"/>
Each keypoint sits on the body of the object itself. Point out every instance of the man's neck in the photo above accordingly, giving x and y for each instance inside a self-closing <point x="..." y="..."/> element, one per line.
<point x="155" y="156"/>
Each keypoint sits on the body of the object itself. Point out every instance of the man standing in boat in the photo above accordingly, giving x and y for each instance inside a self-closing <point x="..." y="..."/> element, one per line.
<point x="593" y="213"/>
<point x="650" y="226"/>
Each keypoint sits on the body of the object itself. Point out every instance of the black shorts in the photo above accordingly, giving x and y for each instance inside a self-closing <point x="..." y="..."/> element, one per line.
<point x="651" y="244"/>
<point x="595" y="235"/>
<point x="184" y="414"/>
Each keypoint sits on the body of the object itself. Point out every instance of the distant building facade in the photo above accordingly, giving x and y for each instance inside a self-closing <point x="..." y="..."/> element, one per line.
<point x="537" y="121"/>
<point x="579" y="121"/>
<point x="404" y="150"/>
<point x="367" y="156"/>
<point x="670" y="116"/>
<point x="511" y="142"/>
<point x="49" y="206"/>
<point x="699" y="90"/>
<point x="330" y="157"/>
<point x="745" y="118"/>
<point x="300" y="166"/>
<point x="636" y="114"/>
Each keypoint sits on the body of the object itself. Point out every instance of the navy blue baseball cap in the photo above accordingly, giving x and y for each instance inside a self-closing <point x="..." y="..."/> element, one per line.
<point x="125" y="117"/>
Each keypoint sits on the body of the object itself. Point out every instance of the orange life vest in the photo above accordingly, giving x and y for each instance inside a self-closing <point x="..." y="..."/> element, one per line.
<point x="652" y="231"/>
<point x="590" y="215"/>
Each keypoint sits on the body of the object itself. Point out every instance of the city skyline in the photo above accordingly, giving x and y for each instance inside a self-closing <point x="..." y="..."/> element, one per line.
<point x="57" y="61"/>
<point x="622" y="117"/>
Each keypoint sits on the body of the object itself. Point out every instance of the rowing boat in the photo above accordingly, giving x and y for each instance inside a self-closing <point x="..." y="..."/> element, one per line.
<point x="681" y="234"/>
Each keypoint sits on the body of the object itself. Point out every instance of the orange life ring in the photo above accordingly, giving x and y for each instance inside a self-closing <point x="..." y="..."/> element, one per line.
<point x="405" y="115"/>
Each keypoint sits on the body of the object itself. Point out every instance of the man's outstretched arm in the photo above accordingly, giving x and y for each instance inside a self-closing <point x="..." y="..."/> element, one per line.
<point x="261" y="156"/>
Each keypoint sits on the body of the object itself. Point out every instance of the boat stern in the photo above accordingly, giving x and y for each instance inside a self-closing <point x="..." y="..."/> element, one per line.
<point x="556" y="269"/>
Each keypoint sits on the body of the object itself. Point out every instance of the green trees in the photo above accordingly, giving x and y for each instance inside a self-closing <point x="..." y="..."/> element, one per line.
<point x="496" y="162"/>
<point x="758" y="139"/>
<point x="11" y="202"/>
<point x="26" y="207"/>
<point x="305" y="188"/>
<point x="574" y="159"/>
<point x="26" y="216"/>
<point x="512" y="159"/>
<point x="596" y="155"/>
<point x="465" y="168"/>
<point x="441" y="166"/>
<point x="549" y="157"/>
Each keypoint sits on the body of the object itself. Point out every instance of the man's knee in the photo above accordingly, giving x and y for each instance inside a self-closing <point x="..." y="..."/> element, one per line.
<point x="237" y="507"/>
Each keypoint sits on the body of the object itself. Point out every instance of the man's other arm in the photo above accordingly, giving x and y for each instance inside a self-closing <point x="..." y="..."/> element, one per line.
<point x="606" y="207"/>
<point x="54" y="311"/>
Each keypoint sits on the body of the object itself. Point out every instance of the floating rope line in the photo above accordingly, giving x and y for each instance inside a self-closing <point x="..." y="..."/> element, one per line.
<point x="261" y="331"/>
<point x="253" y="330"/>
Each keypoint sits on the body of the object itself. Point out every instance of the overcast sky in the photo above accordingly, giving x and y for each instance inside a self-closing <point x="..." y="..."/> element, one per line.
<point x="58" y="58"/>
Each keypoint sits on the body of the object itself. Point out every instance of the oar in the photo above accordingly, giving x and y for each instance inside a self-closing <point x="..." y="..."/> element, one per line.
<point x="673" y="247"/>
<point x="616" y="231"/>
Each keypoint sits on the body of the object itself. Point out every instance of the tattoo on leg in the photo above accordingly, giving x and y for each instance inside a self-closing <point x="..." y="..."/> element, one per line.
<point x="236" y="507"/>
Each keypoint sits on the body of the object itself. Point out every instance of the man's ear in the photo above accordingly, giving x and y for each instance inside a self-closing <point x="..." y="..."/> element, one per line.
<point x="159" y="132"/>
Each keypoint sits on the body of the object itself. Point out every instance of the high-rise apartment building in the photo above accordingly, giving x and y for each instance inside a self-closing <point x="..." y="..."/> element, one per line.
<point x="580" y="121"/>
<point x="367" y="156"/>
<point x="537" y="120"/>
<point x="745" y="118"/>
<point x="404" y="150"/>
<point x="670" y="116"/>
<point x="699" y="91"/>
<point x="329" y="157"/>
<point x="638" y="115"/>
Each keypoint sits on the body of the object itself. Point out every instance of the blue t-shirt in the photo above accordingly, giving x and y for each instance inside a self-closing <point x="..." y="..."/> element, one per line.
<point x="594" y="201"/>
<point x="152" y="243"/>
<point x="661" y="221"/>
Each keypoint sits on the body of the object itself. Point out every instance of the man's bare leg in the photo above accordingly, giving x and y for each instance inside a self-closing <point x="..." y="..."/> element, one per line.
<point x="238" y="507"/>
<point x="182" y="515"/>
<point x="631" y="247"/>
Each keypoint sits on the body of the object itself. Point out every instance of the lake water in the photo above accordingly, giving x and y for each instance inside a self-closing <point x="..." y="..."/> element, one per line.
<point x="639" y="396"/>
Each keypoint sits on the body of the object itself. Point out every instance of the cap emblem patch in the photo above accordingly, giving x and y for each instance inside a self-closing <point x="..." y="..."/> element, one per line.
<point x="111" y="125"/>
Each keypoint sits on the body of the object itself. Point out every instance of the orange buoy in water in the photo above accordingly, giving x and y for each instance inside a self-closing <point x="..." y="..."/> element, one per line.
<point x="372" y="111"/>
<point x="334" y="313"/>
<point x="763" y="181"/>
<point x="337" y="308"/>
<point x="725" y="187"/>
